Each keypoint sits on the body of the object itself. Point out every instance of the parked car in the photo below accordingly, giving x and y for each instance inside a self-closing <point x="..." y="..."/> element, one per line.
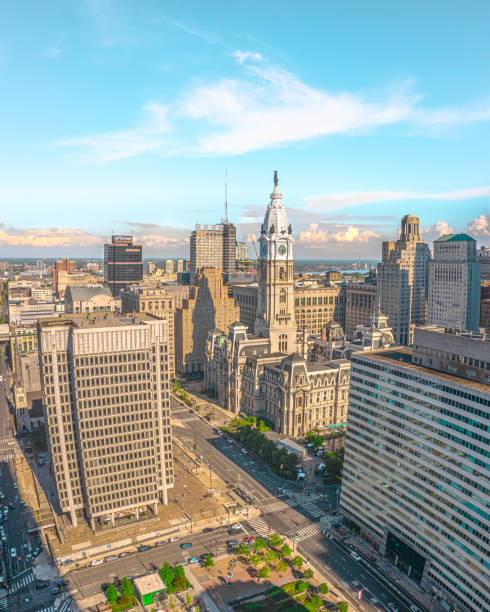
<point x="96" y="562"/>
<point x="186" y="545"/>
<point x="111" y="558"/>
<point x="207" y="530"/>
<point x="236" y="526"/>
<point x="234" y="531"/>
<point x="174" y="539"/>
<point x="161" y="543"/>
<point x="232" y="543"/>
<point x="194" y="560"/>
<point x="144" y="547"/>
<point x="355" y="556"/>
<point x="249" y="539"/>
<point x="13" y="552"/>
<point x="125" y="553"/>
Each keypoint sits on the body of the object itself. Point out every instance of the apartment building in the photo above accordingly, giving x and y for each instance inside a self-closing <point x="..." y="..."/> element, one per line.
<point x="415" y="478"/>
<point x="454" y="283"/>
<point x="402" y="280"/>
<point x="105" y="388"/>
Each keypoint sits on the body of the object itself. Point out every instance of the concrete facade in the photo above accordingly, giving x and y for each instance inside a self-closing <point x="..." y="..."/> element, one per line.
<point x="105" y="388"/>
<point x="360" y="305"/>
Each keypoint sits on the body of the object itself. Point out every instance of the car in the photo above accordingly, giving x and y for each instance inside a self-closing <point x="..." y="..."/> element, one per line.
<point x="144" y="547"/>
<point x="414" y="608"/>
<point x="234" y="531"/>
<point x="15" y="485"/>
<point x="13" y="552"/>
<point x="236" y="526"/>
<point x="355" y="556"/>
<point x="104" y="586"/>
<point x="55" y="590"/>
<point x="41" y="585"/>
<point x="249" y="539"/>
<point x="392" y="606"/>
<point x="174" y="539"/>
<point x="111" y="558"/>
<point x="125" y="553"/>
<point x="207" y="530"/>
<point x="96" y="562"/>
<point x="36" y="552"/>
<point x="11" y="505"/>
<point x="161" y="543"/>
<point x="186" y="545"/>
<point x="232" y="543"/>
<point x="194" y="560"/>
<point x="204" y="556"/>
<point x="244" y="451"/>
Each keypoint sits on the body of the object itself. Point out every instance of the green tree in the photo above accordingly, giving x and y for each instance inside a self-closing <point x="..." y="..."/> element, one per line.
<point x="264" y="572"/>
<point x="180" y="583"/>
<point x="314" y="438"/>
<point x="111" y="594"/>
<point x="176" y="386"/>
<point x="281" y="567"/>
<point x="342" y="606"/>
<point x="271" y="557"/>
<point x="315" y="600"/>
<point x="209" y="561"/>
<point x="167" y="573"/>
<point x="259" y="544"/>
<point x="286" y="551"/>
<point x="275" y="540"/>
<point x="242" y="549"/>
<point x="179" y="572"/>
<point x="125" y="602"/>
<point x="255" y="560"/>
<point x="297" y="562"/>
<point x="323" y="588"/>
<point x="308" y="574"/>
<point x="301" y="586"/>
<point x="127" y="587"/>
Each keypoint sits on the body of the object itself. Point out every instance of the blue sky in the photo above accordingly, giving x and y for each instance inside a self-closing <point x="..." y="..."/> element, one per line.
<point x="123" y="115"/>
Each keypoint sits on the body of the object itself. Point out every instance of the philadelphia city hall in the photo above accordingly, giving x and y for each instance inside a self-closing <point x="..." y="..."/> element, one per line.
<point x="275" y="373"/>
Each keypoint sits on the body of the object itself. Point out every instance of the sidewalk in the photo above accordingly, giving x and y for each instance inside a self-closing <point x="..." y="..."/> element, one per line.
<point x="202" y="596"/>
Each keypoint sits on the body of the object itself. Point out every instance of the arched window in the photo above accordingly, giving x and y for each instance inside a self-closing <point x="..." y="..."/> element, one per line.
<point x="282" y="274"/>
<point x="283" y="296"/>
<point x="283" y="343"/>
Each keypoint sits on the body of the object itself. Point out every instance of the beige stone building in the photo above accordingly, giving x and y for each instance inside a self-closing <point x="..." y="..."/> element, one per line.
<point x="269" y="373"/>
<point x="81" y="279"/>
<point x="402" y="280"/>
<point x="105" y="388"/>
<point x="90" y="299"/>
<point x="158" y="302"/>
<point x="210" y="305"/>
<point x="360" y="306"/>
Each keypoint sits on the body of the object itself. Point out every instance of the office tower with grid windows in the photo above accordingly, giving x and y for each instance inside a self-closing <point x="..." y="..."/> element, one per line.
<point x="123" y="263"/>
<point x="105" y="387"/>
<point x="415" y="477"/>
<point x="402" y="280"/>
<point x="454" y="283"/>
<point x="213" y="246"/>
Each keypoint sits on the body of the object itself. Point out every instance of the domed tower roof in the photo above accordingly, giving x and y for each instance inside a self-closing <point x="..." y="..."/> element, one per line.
<point x="276" y="218"/>
<point x="410" y="230"/>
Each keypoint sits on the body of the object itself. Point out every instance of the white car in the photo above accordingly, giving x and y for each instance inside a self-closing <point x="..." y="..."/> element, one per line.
<point x="15" y="485"/>
<point x="96" y="562"/>
<point x="236" y="526"/>
<point x="244" y="451"/>
<point x="355" y="556"/>
<point x="13" y="552"/>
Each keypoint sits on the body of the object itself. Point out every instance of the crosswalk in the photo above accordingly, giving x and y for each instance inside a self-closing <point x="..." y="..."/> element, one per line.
<point x="48" y="609"/>
<point x="312" y="509"/>
<point x="279" y="505"/>
<point x="185" y="419"/>
<point x="22" y="583"/>
<point x="308" y="531"/>
<point x="259" y="526"/>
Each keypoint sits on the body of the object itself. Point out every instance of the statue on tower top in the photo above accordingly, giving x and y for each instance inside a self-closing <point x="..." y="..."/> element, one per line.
<point x="276" y="180"/>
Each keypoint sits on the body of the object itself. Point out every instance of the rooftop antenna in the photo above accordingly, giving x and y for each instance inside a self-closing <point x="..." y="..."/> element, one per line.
<point x="226" y="195"/>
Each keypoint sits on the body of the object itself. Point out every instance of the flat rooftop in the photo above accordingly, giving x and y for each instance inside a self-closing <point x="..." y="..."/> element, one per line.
<point x="403" y="357"/>
<point x="151" y="583"/>
<point x="97" y="320"/>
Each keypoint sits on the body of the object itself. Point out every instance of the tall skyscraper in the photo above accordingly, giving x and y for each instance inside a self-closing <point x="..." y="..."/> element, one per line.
<point x="454" y="283"/>
<point x="213" y="246"/>
<point x="484" y="259"/>
<point x="169" y="267"/>
<point x="105" y="387"/>
<point x="242" y="251"/>
<point x="415" y="477"/>
<point x="123" y="263"/>
<point x="403" y="279"/>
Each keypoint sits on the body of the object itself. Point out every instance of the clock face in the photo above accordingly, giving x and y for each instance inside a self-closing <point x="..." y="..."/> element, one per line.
<point x="263" y="250"/>
<point x="282" y="250"/>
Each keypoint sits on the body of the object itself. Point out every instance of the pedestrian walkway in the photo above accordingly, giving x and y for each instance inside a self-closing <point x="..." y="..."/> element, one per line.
<point x="278" y="506"/>
<point x="48" y="609"/>
<point x="259" y="526"/>
<point x="312" y="509"/>
<point x="309" y="531"/>
<point x="22" y="583"/>
<point x="185" y="419"/>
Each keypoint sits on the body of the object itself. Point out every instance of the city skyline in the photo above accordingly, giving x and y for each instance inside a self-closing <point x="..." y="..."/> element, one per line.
<point x="139" y="113"/>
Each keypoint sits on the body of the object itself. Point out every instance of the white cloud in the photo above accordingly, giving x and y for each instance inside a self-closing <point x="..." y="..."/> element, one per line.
<point x="314" y="236"/>
<point x="335" y="201"/>
<point x="265" y="107"/>
<point x="113" y="146"/>
<point x="480" y="227"/>
<point x="440" y="228"/>
<point x="46" y="238"/>
<point x="241" y="56"/>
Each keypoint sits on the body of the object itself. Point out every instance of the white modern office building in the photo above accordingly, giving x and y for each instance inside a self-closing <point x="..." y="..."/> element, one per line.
<point x="416" y="470"/>
<point x="454" y="283"/>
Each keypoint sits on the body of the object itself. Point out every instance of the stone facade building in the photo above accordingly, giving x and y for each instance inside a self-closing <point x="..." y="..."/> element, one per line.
<point x="209" y="306"/>
<point x="105" y="389"/>
<point x="402" y="280"/>
<point x="90" y="299"/>
<point x="268" y="373"/>
<point x="454" y="283"/>
<point x="360" y="306"/>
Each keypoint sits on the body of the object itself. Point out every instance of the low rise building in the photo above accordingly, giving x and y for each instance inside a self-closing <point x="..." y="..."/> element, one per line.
<point x="93" y="298"/>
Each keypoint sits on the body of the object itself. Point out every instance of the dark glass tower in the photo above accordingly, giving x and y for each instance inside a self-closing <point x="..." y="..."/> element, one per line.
<point x="123" y="263"/>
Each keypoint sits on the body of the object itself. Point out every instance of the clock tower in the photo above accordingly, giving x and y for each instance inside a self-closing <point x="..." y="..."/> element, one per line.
<point x="275" y="308"/>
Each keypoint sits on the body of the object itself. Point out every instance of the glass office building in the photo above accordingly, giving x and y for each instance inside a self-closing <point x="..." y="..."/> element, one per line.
<point x="416" y="471"/>
<point x="123" y="263"/>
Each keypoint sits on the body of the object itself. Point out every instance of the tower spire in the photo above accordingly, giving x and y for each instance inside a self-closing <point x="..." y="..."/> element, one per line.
<point x="226" y="195"/>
